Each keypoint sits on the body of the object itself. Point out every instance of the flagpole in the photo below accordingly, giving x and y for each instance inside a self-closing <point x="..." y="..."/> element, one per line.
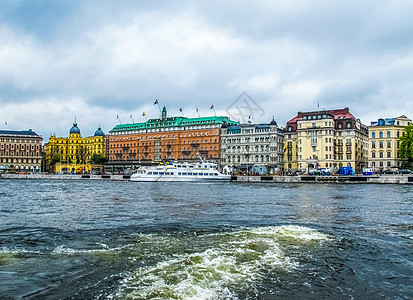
<point x="132" y="119"/>
<point x="160" y="111"/>
<point x="213" y="107"/>
<point x="197" y="110"/>
<point x="117" y="117"/>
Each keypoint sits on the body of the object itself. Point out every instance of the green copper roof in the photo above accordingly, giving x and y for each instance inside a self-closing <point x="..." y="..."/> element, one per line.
<point x="173" y="122"/>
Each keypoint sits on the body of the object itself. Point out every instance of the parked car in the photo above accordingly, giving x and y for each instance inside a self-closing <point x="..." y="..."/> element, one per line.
<point x="404" y="171"/>
<point x="387" y="172"/>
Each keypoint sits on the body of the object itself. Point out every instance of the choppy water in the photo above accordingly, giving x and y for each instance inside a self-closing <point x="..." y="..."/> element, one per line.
<point x="125" y="240"/>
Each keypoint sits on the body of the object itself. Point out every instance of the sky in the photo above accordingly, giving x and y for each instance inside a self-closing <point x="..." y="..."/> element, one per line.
<point x="96" y="60"/>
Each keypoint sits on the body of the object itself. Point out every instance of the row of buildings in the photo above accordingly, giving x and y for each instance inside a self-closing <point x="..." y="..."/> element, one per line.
<point x="311" y="140"/>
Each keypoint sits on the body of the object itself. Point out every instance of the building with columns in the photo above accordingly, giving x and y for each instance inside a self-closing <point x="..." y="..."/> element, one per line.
<point x="325" y="139"/>
<point x="253" y="148"/>
<point x="20" y="151"/>
<point x="384" y="142"/>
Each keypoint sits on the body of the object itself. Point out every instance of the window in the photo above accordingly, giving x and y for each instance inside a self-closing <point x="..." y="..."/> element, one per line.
<point x="381" y="154"/>
<point x="388" y="154"/>
<point x="373" y="135"/>
<point x="348" y="125"/>
<point x="373" y="144"/>
<point x="373" y="155"/>
<point x="388" y="134"/>
<point x="381" y="134"/>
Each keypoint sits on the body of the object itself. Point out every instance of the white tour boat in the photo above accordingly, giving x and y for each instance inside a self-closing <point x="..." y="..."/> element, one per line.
<point x="202" y="171"/>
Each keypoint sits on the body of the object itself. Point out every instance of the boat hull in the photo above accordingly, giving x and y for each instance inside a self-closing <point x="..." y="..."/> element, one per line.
<point x="173" y="178"/>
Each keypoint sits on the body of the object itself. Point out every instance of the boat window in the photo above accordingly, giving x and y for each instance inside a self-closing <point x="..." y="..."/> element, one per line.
<point x="196" y="174"/>
<point x="215" y="174"/>
<point x="190" y="174"/>
<point x="154" y="173"/>
<point x="149" y="173"/>
<point x="179" y="173"/>
<point x="184" y="174"/>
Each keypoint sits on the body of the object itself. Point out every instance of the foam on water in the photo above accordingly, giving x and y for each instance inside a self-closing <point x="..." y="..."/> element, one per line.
<point x="233" y="262"/>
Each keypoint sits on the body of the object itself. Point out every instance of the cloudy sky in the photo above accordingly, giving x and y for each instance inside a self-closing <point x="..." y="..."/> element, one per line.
<point x="94" y="60"/>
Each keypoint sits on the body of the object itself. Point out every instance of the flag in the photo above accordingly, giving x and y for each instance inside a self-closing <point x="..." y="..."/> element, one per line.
<point x="249" y="117"/>
<point x="156" y="102"/>
<point x="212" y="106"/>
<point x="130" y="116"/>
<point x="143" y="114"/>
<point x="5" y="123"/>
<point x="180" y="109"/>
<point x="117" y="116"/>
<point x="197" y="108"/>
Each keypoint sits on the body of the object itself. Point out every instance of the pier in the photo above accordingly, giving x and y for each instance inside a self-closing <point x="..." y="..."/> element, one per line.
<point x="383" y="179"/>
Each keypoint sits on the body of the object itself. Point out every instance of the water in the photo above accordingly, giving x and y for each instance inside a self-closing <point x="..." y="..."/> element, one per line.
<point x="126" y="240"/>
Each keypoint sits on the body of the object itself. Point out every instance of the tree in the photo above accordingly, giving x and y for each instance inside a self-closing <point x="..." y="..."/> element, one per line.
<point x="98" y="159"/>
<point x="55" y="159"/>
<point x="406" y="146"/>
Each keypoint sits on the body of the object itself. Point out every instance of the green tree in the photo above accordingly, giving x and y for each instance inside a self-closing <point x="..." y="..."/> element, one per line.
<point x="406" y="146"/>
<point x="98" y="159"/>
<point x="55" y="159"/>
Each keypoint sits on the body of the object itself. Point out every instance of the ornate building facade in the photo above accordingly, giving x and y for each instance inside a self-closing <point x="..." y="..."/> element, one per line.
<point x="384" y="142"/>
<point x="166" y="138"/>
<point x="253" y="148"/>
<point x="20" y="151"/>
<point x="74" y="154"/>
<point x="325" y="139"/>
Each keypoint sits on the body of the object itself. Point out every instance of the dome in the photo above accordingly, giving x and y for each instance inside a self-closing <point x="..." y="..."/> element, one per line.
<point x="74" y="129"/>
<point x="273" y="122"/>
<point x="99" y="132"/>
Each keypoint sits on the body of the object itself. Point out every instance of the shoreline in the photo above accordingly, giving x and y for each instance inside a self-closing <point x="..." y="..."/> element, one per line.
<point x="383" y="179"/>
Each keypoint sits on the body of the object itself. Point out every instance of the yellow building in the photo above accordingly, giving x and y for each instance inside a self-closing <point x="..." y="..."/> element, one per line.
<point x="325" y="139"/>
<point x="384" y="142"/>
<point x="74" y="154"/>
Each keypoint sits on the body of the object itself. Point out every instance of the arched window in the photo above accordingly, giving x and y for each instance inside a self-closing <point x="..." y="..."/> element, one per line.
<point x="381" y="134"/>
<point x="373" y="135"/>
<point x="388" y="134"/>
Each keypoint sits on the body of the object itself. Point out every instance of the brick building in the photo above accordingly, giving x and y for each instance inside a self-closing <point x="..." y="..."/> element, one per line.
<point x="166" y="138"/>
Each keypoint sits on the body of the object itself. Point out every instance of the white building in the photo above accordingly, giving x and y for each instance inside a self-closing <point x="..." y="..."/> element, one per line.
<point x="253" y="148"/>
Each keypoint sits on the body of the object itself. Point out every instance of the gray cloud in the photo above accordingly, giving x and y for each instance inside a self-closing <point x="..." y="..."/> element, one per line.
<point x="97" y="61"/>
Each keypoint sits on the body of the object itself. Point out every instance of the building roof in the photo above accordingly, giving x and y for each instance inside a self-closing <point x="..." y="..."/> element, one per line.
<point x="343" y="113"/>
<point x="16" y="132"/>
<point x="99" y="132"/>
<point x="173" y="122"/>
<point x="383" y="122"/>
<point x="74" y="129"/>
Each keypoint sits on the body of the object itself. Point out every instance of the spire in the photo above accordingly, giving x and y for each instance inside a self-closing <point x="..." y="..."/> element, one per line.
<point x="164" y="113"/>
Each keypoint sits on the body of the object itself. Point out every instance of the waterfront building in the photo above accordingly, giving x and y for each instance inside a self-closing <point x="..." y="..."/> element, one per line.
<point x="384" y="142"/>
<point x="253" y="148"/>
<point x="20" y="151"/>
<point x="325" y="139"/>
<point x="165" y="138"/>
<point x="75" y="154"/>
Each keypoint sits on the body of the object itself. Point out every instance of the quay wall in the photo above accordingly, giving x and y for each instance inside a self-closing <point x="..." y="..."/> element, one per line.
<point x="384" y="179"/>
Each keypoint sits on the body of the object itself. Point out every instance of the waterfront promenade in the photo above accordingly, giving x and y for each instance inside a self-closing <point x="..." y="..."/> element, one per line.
<point x="383" y="179"/>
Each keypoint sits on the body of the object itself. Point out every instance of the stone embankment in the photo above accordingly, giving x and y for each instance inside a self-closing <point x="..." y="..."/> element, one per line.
<point x="394" y="179"/>
<point x="391" y="179"/>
